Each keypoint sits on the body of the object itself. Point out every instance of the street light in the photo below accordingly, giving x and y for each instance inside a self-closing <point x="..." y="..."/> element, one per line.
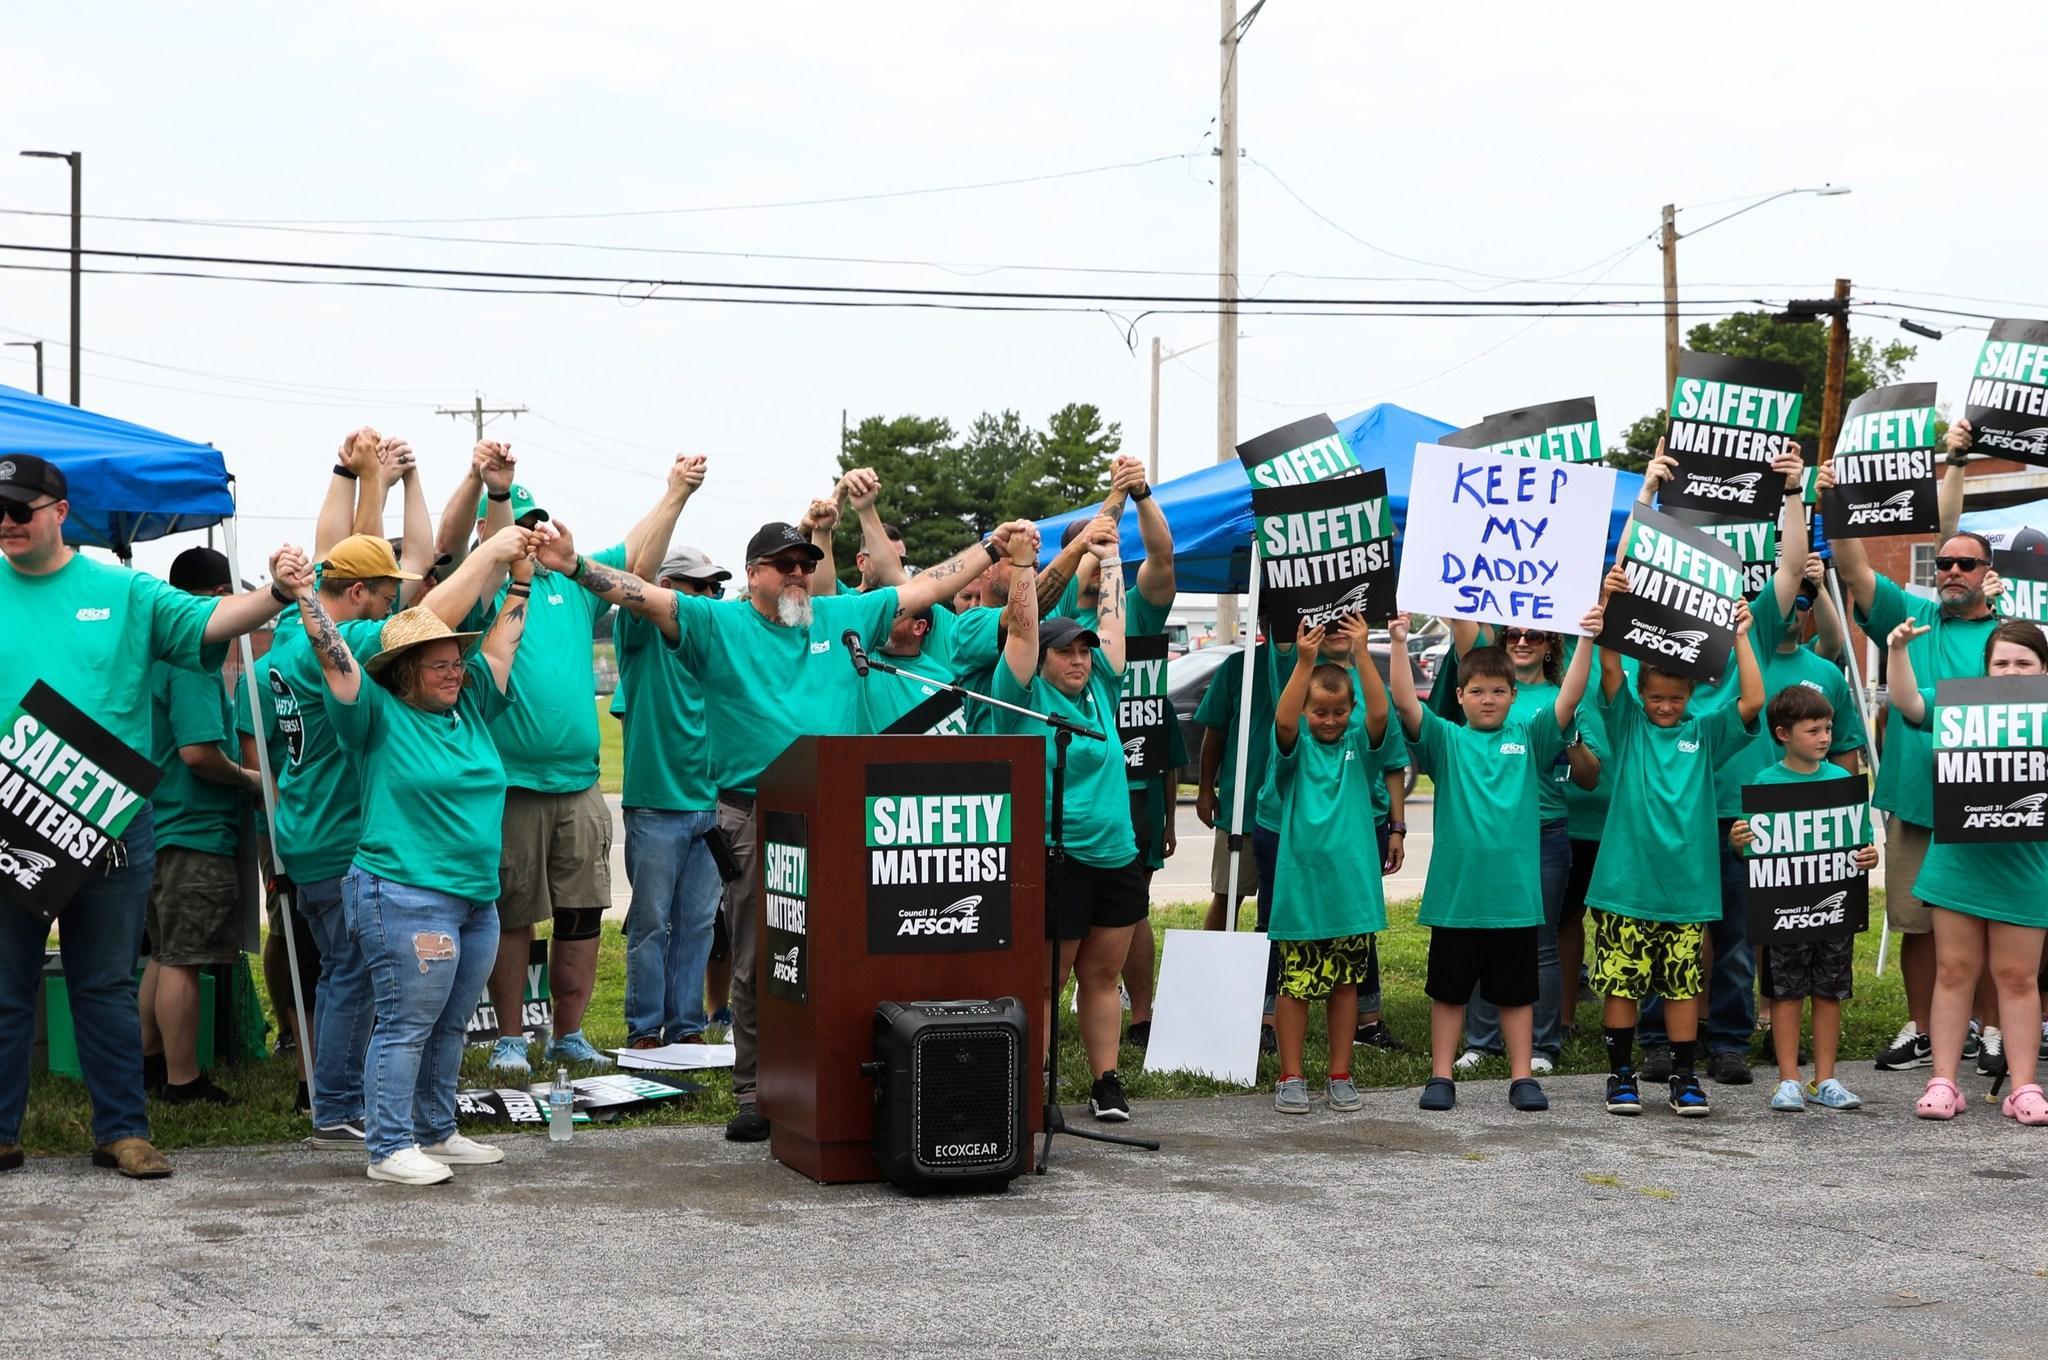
<point x="1668" y="243"/>
<point x="37" y="346"/>
<point x="76" y="160"/>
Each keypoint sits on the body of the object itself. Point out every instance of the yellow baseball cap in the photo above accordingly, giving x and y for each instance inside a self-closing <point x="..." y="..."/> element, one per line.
<point x="362" y="557"/>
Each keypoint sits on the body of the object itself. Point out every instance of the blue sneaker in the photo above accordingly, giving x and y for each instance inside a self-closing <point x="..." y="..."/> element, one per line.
<point x="1622" y="1095"/>
<point x="573" y="1048"/>
<point x="1831" y="1094"/>
<point x="509" y="1055"/>
<point x="1688" y="1101"/>
<point x="1789" y="1098"/>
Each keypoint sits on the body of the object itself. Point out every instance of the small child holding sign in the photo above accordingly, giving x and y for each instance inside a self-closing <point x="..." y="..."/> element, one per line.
<point x="1483" y="899"/>
<point x="1990" y="902"/>
<point x="1658" y="879"/>
<point x="1327" y="900"/>
<point x="1802" y="721"/>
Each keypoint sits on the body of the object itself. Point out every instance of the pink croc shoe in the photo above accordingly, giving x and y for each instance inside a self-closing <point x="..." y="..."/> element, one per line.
<point x="1942" y="1100"/>
<point x="2027" y="1105"/>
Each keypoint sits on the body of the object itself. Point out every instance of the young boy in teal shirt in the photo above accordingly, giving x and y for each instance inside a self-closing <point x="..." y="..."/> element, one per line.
<point x="1802" y="721"/>
<point x="1327" y="900"/>
<point x="1658" y="878"/>
<point x="1483" y="900"/>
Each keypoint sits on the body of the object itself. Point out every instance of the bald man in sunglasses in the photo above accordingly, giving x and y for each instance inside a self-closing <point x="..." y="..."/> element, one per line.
<point x="1959" y="619"/>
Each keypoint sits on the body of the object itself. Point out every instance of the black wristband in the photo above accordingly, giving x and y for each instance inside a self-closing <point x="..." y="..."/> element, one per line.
<point x="341" y="471"/>
<point x="1397" y="828"/>
<point x="499" y="495"/>
<point x="519" y="588"/>
<point x="1143" y="493"/>
<point x="1958" y="457"/>
<point x="995" y="554"/>
<point x="279" y="595"/>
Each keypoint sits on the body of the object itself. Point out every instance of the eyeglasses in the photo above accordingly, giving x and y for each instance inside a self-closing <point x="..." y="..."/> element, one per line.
<point x="710" y="590"/>
<point x="1960" y="563"/>
<point x="1523" y="635"/>
<point x="791" y="566"/>
<point x="442" y="667"/>
<point x="21" y="512"/>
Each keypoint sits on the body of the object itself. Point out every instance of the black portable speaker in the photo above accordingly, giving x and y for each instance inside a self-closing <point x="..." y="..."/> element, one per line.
<point x="951" y="1092"/>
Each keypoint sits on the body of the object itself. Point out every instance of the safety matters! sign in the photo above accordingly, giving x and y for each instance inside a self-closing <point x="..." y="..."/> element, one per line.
<point x="68" y="789"/>
<point x="939" y="857"/>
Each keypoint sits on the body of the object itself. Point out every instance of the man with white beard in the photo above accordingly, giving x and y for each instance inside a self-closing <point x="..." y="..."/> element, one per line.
<point x="774" y="668"/>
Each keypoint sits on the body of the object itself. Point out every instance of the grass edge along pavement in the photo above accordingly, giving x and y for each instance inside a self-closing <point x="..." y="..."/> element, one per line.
<point x="59" y="1123"/>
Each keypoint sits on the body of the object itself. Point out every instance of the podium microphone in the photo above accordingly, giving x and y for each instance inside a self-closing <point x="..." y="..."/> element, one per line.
<point x="854" y="650"/>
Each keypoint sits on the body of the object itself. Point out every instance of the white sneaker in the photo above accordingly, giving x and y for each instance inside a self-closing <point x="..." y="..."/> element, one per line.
<point x="461" y="1151"/>
<point x="410" y="1166"/>
<point x="1468" y="1060"/>
<point x="1540" y="1066"/>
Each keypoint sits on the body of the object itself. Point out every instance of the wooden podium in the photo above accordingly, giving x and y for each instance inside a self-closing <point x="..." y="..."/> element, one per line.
<point x="892" y="869"/>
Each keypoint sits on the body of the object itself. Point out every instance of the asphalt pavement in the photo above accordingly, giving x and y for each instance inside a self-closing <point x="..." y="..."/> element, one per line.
<point x="1481" y="1232"/>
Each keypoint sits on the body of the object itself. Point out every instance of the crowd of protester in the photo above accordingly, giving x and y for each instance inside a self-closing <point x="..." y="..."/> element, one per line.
<point x="429" y="723"/>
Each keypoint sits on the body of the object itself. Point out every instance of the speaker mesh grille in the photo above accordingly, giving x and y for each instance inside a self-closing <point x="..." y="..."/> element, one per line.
<point x="964" y="1110"/>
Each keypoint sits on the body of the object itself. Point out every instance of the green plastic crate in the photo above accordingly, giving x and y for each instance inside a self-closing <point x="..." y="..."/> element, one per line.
<point x="64" y="1039"/>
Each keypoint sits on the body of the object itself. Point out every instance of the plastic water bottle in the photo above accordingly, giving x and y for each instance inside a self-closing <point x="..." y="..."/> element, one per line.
<point x="561" y="1108"/>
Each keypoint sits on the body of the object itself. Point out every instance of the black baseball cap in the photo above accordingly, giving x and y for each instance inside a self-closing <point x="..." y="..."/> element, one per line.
<point x="23" y="477"/>
<point x="1062" y="632"/>
<point x="197" y="569"/>
<point x="777" y="538"/>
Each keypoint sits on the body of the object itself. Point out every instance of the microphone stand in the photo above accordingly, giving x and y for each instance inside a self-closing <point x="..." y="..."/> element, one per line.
<point x="1064" y="731"/>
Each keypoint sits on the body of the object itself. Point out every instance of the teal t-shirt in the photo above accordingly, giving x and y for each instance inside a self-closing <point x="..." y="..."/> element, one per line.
<point x="1484" y="866"/>
<point x="1994" y="881"/>
<point x="1326" y="879"/>
<point x="192" y="709"/>
<point x="435" y="818"/>
<point x="274" y="744"/>
<point x="1394" y="754"/>
<point x="767" y="684"/>
<point x="90" y="630"/>
<point x="1660" y="852"/>
<point x="1799" y="666"/>
<point x="549" y="738"/>
<point x="1142" y="618"/>
<point x="976" y="651"/>
<point x="1953" y="651"/>
<point x="1219" y="711"/>
<point x="319" y="793"/>
<point x="1585" y="810"/>
<point x="884" y="697"/>
<point x="666" y="746"/>
<point x="1098" y="808"/>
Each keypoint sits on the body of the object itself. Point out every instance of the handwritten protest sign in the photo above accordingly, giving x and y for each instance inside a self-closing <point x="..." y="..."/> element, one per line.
<point x="1729" y="418"/>
<point x="2008" y="406"/>
<point x="1326" y="549"/>
<point x="1991" y="759"/>
<point x="1566" y="431"/>
<point x="1803" y="879"/>
<point x="1499" y="538"/>
<point x="1884" y="465"/>
<point x="1678" y="613"/>
<point x="1309" y="450"/>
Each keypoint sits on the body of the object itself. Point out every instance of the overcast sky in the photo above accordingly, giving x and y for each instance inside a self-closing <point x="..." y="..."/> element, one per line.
<point x="1491" y="141"/>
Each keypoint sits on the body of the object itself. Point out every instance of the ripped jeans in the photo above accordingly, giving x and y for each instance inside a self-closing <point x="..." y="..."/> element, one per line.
<point x="428" y="955"/>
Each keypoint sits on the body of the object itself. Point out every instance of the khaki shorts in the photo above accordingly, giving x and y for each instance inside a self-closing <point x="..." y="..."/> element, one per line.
<point x="557" y="856"/>
<point x="1905" y="846"/>
<point x="193" y="902"/>
<point x="1219" y="864"/>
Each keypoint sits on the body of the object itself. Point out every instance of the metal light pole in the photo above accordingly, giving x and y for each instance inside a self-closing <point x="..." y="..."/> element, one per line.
<point x="1667" y="241"/>
<point x="37" y="346"/>
<point x="76" y="160"/>
<point x="1159" y="357"/>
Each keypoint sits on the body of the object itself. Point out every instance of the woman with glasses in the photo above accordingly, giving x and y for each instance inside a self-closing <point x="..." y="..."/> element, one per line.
<point x="1538" y="658"/>
<point x="422" y="892"/>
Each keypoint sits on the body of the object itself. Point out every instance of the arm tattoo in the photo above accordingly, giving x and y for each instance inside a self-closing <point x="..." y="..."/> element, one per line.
<point x="514" y="613"/>
<point x="596" y="579"/>
<point x="1052" y="583"/>
<point x="952" y="566"/>
<point x="327" y="643"/>
<point x="1112" y="602"/>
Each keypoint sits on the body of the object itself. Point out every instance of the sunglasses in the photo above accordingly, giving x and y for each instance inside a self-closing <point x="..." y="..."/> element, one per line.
<point x="1523" y="635"/>
<point x="20" y="511"/>
<point x="710" y="590"/>
<point x="791" y="566"/>
<point x="1960" y="563"/>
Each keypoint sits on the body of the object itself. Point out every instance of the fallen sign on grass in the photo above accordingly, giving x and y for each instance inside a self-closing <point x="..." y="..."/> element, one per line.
<point x="602" y="1099"/>
<point x="676" y="1057"/>
<point x="1205" y="1013"/>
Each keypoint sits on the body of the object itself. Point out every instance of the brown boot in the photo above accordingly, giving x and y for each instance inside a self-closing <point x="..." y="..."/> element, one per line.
<point x="135" y="1158"/>
<point x="11" y="1157"/>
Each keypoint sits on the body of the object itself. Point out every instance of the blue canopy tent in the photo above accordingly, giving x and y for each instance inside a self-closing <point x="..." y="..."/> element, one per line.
<point x="129" y="483"/>
<point x="1211" y="510"/>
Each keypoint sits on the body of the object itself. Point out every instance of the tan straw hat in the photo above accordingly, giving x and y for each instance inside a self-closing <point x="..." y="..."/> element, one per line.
<point x="408" y="629"/>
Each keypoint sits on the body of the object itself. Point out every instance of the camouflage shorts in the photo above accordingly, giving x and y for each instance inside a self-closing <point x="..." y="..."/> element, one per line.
<point x="1635" y="959"/>
<point x="1311" y="969"/>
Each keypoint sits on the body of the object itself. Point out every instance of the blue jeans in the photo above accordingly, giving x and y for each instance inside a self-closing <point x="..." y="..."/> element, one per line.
<point x="100" y="935"/>
<point x="668" y="927"/>
<point x="428" y="955"/>
<point x="1731" y="983"/>
<point x="342" y="1006"/>
<point x="1482" y="1017"/>
<point x="1266" y="857"/>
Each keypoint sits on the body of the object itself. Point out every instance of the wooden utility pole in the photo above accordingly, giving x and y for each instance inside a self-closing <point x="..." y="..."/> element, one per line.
<point x="1838" y="372"/>
<point x="478" y="412"/>
<point x="1226" y="279"/>
<point x="1668" y="242"/>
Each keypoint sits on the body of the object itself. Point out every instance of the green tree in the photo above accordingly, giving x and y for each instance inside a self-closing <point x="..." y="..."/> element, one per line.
<point x="1068" y="465"/>
<point x="1804" y="345"/>
<point x="914" y="457"/>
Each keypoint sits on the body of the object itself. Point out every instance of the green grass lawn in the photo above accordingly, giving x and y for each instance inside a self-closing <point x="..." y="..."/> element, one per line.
<point x="58" y="1116"/>
<point x="611" y="748"/>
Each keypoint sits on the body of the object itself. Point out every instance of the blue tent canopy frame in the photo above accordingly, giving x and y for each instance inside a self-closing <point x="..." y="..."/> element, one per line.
<point x="1211" y="510"/>
<point x="129" y="483"/>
